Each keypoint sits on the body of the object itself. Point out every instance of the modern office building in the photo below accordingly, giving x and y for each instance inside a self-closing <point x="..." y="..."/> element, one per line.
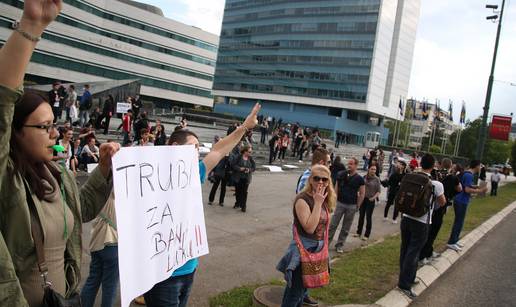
<point x="341" y="65"/>
<point x="99" y="40"/>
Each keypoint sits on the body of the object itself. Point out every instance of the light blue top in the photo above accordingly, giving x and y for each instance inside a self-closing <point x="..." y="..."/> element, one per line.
<point x="302" y="181"/>
<point x="190" y="266"/>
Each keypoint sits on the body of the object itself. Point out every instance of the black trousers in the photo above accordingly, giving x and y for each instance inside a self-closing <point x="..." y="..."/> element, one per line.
<point x="282" y="153"/>
<point x="301" y="153"/>
<point x="413" y="237"/>
<point x="241" y="193"/>
<point x="390" y="201"/>
<point x="222" y="182"/>
<point x="494" y="188"/>
<point x="273" y="152"/>
<point x="437" y="222"/>
<point x="366" y="210"/>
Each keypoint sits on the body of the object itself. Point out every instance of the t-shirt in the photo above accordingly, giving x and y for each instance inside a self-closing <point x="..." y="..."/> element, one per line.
<point x="190" y="266"/>
<point x="495" y="177"/>
<point x="466" y="181"/>
<point x="348" y="187"/>
<point x="438" y="191"/>
<point x="302" y="181"/>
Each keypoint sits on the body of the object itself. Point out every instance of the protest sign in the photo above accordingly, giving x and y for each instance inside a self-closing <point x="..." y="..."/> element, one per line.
<point x="122" y="107"/>
<point x="159" y="214"/>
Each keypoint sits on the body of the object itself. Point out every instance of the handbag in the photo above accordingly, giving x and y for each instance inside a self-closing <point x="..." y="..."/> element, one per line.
<point x="314" y="266"/>
<point x="51" y="298"/>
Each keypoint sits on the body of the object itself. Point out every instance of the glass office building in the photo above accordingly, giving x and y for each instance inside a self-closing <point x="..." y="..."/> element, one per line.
<point x="338" y="65"/>
<point x="97" y="40"/>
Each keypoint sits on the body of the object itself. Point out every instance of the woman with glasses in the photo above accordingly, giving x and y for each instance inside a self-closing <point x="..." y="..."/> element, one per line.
<point x="243" y="169"/>
<point x="311" y="214"/>
<point x="32" y="186"/>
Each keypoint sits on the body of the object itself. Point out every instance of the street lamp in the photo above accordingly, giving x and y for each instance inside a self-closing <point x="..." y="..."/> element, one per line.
<point x="482" y="134"/>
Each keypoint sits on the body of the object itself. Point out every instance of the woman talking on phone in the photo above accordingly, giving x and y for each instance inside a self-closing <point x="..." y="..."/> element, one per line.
<point x="41" y="207"/>
<point x="311" y="215"/>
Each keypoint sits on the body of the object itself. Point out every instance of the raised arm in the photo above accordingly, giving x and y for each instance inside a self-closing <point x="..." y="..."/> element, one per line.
<point x="225" y="145"/>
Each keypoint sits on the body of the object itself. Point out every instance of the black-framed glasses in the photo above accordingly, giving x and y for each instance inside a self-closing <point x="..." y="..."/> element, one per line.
<point x="319" y="179"/>
<point x="49" y="128"/>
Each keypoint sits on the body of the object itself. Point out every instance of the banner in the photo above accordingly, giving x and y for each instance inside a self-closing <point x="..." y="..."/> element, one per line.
<point x="500" y="127"/>
<point x="159" y="213"/>
<point x="122" y="107"/>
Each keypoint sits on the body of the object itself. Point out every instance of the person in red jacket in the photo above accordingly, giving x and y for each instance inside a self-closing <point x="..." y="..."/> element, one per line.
<point x="126" y="126"/>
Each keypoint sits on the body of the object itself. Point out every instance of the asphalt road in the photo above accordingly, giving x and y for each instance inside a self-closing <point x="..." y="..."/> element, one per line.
<point x="485" y="277"/>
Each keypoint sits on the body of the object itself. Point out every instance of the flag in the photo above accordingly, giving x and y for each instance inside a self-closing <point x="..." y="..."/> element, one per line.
<point x="463" y="113"/>
<point x="437" y="111"/>
<point x="450" y="110"/>
<point x="413" y="108"/>
<point x="401" y="107"/>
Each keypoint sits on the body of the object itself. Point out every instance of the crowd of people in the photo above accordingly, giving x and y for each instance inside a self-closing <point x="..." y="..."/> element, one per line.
<point x="41" y="195"/>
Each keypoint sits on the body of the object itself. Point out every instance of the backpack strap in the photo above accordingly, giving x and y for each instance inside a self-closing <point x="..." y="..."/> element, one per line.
<point x="37" y="236"/>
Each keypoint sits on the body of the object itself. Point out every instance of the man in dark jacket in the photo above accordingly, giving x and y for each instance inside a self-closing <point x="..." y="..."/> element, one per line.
<point x="107" y="112"/>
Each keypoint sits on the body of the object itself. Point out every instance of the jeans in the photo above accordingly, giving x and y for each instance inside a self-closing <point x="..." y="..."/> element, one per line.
<point x="241" y="193"/>
<point x="67" y="112"/>
<point x="293" y="296"/>
<point x="172" y="292"/>
<point x="437" y="222"/>
<point x="366" y="210"/>
<point x="458" y="222"/>
<point x="84" y="117"/>
<point x="413" y="238"/>
<point x="218" y="180"/>
<point x="301" y="153"/>
<point x="126" y="137"/>
<point x="346" y="212"/>
<point x="390" y="202"/>
<point x="107" y="119"/>
<point x="103" y="270"/>
<point x="494" y="188"/>
<point x="57" y="113"/>
<point x="263" y="135"/>
<point x="282" y="153"/>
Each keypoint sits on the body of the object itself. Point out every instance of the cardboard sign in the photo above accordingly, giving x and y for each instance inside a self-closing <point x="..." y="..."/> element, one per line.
<point x="122" y="107"/>
<point x="159" y="214"/>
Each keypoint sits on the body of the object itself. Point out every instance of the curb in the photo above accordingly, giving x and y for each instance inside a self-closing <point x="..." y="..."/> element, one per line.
<point x="427" y="274"/>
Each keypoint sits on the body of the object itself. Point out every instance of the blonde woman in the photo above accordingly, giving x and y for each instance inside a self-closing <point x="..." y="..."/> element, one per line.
<point x="311" y="214"/>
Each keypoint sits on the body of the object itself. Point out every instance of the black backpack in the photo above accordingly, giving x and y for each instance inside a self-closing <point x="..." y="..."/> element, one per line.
<point x="449" y="186"/>
<point x="414" y="195"/>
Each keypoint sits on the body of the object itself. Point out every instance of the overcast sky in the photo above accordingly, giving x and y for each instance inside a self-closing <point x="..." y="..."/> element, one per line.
<point x="453" y="52"/>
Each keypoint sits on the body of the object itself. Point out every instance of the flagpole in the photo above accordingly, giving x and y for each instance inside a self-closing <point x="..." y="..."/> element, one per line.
<point x="395" y="128"/>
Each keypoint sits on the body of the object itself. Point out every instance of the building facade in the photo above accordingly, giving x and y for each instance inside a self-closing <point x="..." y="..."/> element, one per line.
<point x="425" y="119"/>
<point x="100" y="40"/>
<point x="336" y="65"/>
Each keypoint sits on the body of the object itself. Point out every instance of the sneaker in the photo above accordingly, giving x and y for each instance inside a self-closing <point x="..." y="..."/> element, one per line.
<point x="221" y="204"/>
<point x="454" y="247"/>
<point x="308" y="301"/>
<point x="461" y="245"/>
<point x="424" y="261"/>
<point x="435" y="255"/>
<point x="210" y="203"/>
<point x="339" y="250"/>
<point x="395" y="221"/>
<point x="236" y="206"/>
<point x="363" y="238"/>
<point x="415" y="282"/>
<point x="385" y="219"/>
<point x="408" y="293"/>
<point x="300" y="161"/>
<point x="355" y="235"/>
<point x="243" y="210"/>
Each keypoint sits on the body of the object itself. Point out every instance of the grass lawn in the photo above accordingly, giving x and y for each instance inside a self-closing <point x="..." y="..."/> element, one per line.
<point x="366" y="274"/>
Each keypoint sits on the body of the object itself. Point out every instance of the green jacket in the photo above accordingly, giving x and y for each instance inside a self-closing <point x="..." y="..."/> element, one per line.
<point x="17" y="251"/>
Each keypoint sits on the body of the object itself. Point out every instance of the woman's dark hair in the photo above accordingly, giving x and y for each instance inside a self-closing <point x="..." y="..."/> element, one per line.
<point x="32" y="172"/>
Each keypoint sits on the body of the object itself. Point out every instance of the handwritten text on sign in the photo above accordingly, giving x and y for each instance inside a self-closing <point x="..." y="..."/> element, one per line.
<point x="160" y="217"/>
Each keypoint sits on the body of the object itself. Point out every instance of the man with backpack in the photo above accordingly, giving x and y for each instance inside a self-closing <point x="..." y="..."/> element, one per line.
<point x="350" y="191"/>
<point x="85" y="105"/>
<point x="461" y="202"/>
<point x="452" y="187"/>
<point x="416" y="199"/>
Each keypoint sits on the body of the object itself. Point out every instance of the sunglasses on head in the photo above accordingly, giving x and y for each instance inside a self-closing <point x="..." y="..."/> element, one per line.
<point x="318" y="179"/>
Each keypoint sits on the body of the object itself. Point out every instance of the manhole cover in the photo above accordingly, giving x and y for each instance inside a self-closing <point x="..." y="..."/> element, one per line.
<point x="269" y="296"/>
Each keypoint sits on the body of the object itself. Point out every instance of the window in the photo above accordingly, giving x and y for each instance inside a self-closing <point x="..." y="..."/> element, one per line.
<point x="352" y="115"/>
<point x="335" y="112"/>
